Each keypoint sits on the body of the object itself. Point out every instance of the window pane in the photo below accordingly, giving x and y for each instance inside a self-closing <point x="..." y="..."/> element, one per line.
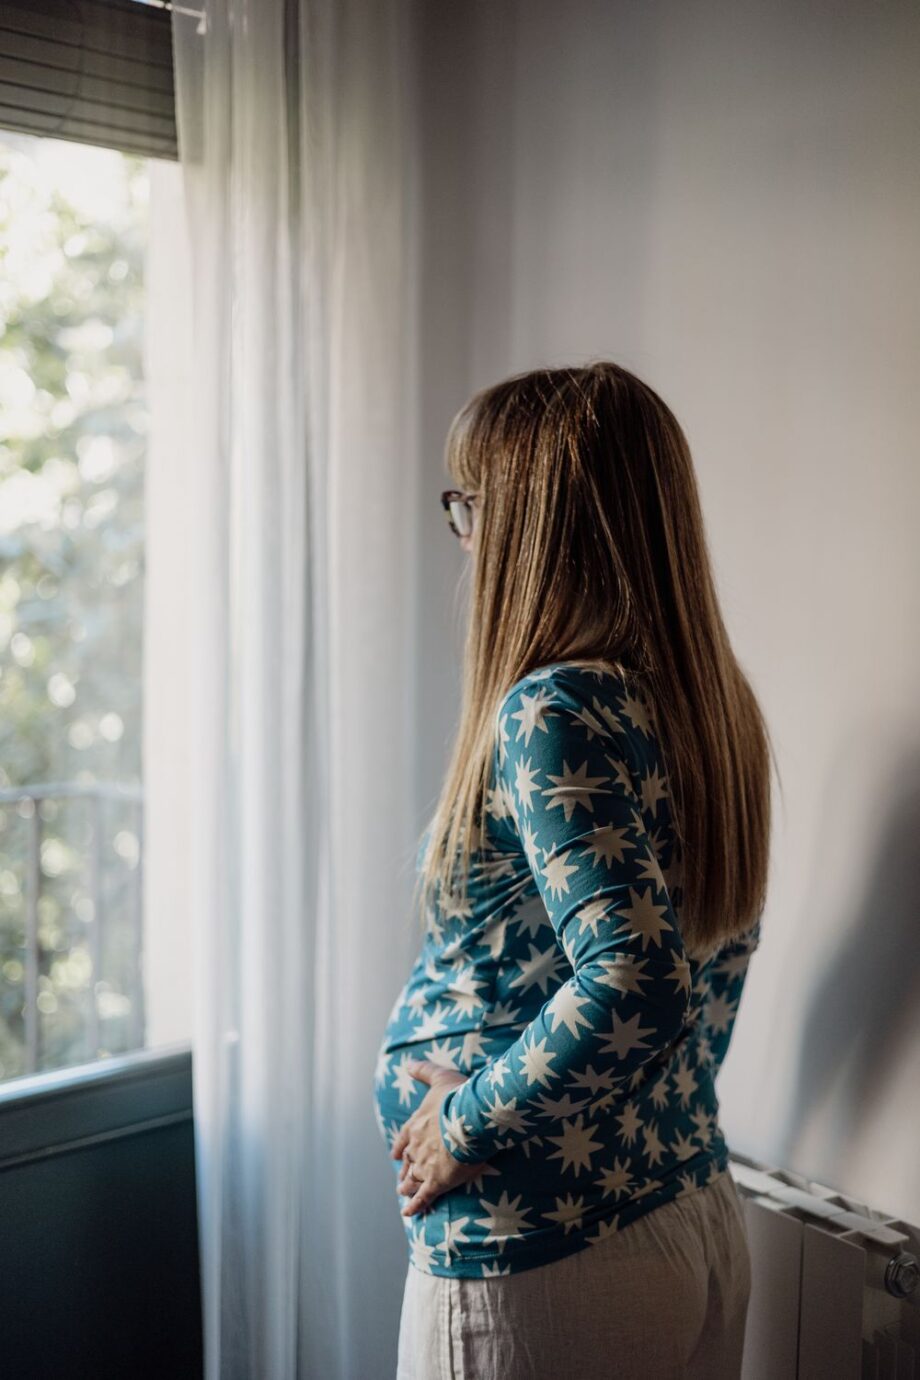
<point x="73" y="427"/>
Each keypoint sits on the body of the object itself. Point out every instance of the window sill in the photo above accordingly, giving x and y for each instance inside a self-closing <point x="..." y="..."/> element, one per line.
<point x="53" y="1113"/>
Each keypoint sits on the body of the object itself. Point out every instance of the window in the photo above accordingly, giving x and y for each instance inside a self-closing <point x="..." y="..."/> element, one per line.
<point x="73" y="232"/>
<point x="81" y="976"/>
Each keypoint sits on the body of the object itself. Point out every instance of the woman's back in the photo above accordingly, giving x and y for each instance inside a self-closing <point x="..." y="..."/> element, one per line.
<point x="605" y="1107"/>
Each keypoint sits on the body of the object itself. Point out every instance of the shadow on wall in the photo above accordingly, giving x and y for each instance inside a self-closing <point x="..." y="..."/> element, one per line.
<point x="863" y="1020"/>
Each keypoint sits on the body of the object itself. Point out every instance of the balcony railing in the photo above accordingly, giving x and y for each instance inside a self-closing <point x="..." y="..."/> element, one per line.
<point x="28" y="800"/>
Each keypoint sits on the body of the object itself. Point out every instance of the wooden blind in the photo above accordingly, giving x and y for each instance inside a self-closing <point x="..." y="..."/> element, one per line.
<point x="96" y="71"/>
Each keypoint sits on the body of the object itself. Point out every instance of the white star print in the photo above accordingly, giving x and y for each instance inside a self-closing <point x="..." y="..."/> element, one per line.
<point x="532" y="917"/>
<point x="569" y="1211"/>
<point x="596" y="912"/>
<point x="653" y="1146"/>
<point x="473" y="1046"/>
<point x="625" y="1036"/>
<point x="576" y="1145"/>
<point x="593" y="1081"/>
<point x="557" y="873"/>
<point x="444" y="1054"/>
<point x="609" y="716"/>
<point x="525" y="782"/>
<point x="536" y="1062"/>
<point x="422" y="1253"/>
<point x="533" y="713"/>
<point x="615" y="1179"/>
<point x="558" y="1107"/>
<point x="637" y="712"/>
<point x="562" y="980"/>
<point x="503" y="1221"/>
<point x="684" y="1082"/>
<point x="719" y="1014"/>
<point x="609" y="845"/>
<point x="453" y="1236"/>
<point x="630" y="1123"/>
<point x="505" y="1115"/>
<point x="462" y="991"/>
<point x="565" y="1008"/>
<point x="653" y="790"/>
<point x="574" y="788"/>
<point x="646" y="919"/>
<point x="453" y="908"/>
<point x="433" y="1023"/>
<point x="624" y="973"/>
<point x="682" y="1147"/>
<point x="541" y="968"/>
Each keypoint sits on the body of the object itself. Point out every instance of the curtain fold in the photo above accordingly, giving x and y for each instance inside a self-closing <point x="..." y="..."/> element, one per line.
<point x="295" y="142"/>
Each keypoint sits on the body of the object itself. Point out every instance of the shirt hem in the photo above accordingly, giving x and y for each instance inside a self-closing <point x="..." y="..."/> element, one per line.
<point x="526" y="1255"/>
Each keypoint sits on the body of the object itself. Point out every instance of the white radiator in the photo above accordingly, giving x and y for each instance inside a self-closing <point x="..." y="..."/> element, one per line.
<point x="835" y="1292"/>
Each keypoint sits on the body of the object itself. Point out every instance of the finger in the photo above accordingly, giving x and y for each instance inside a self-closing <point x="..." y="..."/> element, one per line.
<point x="410" y="1185"/>
<point x="421" y="1069"/>
<point x="407" y="1171"/>
<point x="417" y="1203"/>
<point x="400" y="1141"/>
<point x="410" y="1170"/>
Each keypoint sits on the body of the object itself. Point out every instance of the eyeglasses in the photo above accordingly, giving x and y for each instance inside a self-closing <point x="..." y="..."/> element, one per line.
<point x="459" y="510"/>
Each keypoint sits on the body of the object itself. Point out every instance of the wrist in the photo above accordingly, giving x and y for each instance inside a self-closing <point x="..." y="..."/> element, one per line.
<point x="456" y="1132"/>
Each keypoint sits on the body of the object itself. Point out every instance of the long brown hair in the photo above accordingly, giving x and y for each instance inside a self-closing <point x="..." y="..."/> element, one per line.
<point x="590" y="545"/>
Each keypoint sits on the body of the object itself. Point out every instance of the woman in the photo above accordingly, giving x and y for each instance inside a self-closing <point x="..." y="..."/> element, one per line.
<point x="591" y="885"/>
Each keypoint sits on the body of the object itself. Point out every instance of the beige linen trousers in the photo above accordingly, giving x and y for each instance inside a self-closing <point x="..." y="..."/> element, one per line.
<point x="664" y="1298"/>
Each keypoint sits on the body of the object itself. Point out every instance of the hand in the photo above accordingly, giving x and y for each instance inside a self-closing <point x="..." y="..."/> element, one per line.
<point x="429" y="1169"/>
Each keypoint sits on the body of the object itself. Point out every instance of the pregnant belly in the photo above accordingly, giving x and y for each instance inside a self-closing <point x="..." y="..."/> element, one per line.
<point x="397" y="1093"/>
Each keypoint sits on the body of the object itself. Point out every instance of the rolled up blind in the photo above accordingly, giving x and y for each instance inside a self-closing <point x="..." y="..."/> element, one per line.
<point x="96" y="71"/>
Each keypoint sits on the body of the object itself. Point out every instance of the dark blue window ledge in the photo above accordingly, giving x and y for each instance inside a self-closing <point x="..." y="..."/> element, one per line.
<point x="98" y="1221"/>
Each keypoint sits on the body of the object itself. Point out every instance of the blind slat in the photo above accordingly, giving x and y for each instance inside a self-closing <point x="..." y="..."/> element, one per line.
<point x="35" y="82"/>
<point x="80" y="132"/>
<point x="124" y="27"/>
<point x="93" y="72"/>
<point x="63" y="108"/>
<point x="53" y="53"/>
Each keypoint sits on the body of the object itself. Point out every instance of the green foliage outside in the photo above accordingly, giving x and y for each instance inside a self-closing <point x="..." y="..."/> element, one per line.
<point x="73" y="418"/>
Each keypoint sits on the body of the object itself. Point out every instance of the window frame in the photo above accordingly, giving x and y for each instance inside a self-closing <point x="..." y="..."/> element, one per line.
<point x="65" y="64"/>
<point x="54" y="1112"/>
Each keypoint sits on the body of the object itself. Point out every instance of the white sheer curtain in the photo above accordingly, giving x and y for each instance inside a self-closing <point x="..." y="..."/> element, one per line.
<point x="294" y="122"/>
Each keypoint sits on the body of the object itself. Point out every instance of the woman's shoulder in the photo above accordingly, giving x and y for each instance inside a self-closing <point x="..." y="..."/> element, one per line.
<point x="600" y="702"/>
<point x="560" y="679"/>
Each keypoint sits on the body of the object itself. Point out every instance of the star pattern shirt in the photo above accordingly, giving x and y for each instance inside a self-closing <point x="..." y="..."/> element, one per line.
<point x="589" y="1038"/>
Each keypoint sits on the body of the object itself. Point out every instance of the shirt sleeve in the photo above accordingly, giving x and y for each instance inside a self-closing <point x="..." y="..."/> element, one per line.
<point x="576" y="810"/>
<point x="727" y="973"/>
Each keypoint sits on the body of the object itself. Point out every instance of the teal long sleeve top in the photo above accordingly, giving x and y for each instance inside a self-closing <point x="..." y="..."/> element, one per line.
<point x="590" y="1039"/>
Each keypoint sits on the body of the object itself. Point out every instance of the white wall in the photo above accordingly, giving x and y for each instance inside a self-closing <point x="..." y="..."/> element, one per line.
<point x="723" y="197"/>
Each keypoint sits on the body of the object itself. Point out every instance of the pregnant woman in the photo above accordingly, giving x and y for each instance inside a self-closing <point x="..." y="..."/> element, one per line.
<point x="591" y="887"/>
